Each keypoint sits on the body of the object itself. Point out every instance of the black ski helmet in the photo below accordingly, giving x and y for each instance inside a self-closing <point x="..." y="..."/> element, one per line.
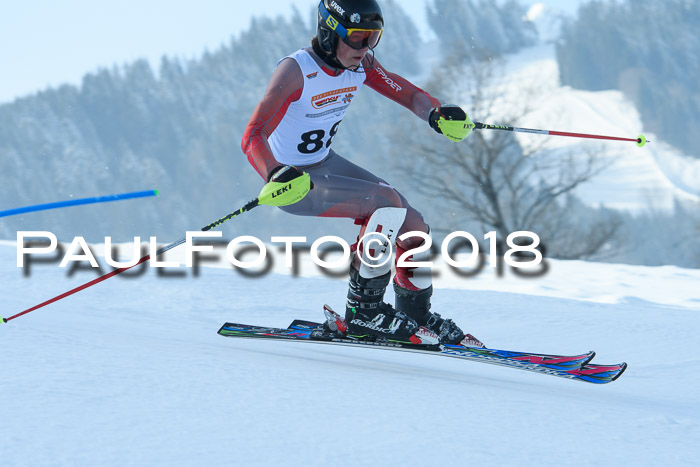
<point x="349" y="14"/>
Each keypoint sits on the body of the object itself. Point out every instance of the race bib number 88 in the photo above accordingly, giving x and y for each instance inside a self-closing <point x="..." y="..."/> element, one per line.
<point x="312" y="141"/>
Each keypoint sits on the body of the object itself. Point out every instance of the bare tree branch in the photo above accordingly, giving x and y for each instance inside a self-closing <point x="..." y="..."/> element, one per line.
<point x="493" y="180"/>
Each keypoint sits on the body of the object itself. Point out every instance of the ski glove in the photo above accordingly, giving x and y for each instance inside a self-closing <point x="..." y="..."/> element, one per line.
<point x="451" y="121"/>
<point x="283" y="173"/>
<point x="286" y="185"/>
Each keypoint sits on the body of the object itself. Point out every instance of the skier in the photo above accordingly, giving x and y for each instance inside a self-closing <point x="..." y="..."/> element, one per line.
<point x="290" y="132"/>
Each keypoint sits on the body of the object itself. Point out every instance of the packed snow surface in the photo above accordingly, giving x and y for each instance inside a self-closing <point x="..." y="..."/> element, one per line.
<point x="132" y="372"/>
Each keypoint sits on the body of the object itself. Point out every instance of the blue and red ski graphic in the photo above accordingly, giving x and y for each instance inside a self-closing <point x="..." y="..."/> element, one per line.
<point x="576" y="367"/>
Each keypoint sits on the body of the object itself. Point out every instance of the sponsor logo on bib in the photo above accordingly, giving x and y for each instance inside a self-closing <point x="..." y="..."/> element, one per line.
<point x="336" y="96"/>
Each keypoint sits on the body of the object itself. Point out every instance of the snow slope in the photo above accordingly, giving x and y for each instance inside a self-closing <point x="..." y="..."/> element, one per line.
<point x="132" y="372"/>
<point x="636" y="178"/>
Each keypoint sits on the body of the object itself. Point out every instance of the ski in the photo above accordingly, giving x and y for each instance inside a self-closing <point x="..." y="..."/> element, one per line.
<point x="576" y="367"/>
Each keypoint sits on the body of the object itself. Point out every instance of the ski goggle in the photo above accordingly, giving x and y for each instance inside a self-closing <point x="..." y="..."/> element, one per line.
<point x="354" y="37"/>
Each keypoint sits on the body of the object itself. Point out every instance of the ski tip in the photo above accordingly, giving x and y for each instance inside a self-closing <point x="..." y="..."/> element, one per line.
<point x="591" y="356"/>
<point x="623" y="367"/>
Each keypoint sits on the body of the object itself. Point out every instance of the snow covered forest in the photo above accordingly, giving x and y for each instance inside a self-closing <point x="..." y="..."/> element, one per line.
<point x="178" y="129"/>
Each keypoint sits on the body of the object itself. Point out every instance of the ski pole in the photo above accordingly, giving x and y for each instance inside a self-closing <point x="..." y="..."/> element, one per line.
<point x="640" y="140"/>
<point x="272" y="194"/>
<point x="76" y="202"/>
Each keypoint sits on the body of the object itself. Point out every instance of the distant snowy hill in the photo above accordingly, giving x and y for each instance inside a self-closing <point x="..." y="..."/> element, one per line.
<point x="131" y="371"/>
<point x="638" y="178"/>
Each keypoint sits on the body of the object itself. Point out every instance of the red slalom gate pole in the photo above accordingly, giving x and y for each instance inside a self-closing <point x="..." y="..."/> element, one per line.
<point x="640" y="140"/>
<point x="75" y="290"/>
<point x="92" y="282"/>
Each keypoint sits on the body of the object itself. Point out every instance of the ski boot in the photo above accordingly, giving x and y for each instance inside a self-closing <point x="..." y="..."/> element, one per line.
<point x="416" y="304"/>
<point x="366" y="314"/>
<point x="336" y="326"/>
<point x="368" y="317"/>
<point x="413" y="288"/>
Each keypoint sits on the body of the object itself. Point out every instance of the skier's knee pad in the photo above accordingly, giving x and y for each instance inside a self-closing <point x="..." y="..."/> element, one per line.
<point x="377" y="240"/>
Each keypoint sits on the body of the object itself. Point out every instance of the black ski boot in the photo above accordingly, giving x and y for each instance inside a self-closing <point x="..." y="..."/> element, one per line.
<point x="416" y="304"/>
<point x="368" y="317"/>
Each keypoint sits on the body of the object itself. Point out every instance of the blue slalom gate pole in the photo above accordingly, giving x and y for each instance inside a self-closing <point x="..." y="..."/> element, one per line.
<point x="77" y="202"/>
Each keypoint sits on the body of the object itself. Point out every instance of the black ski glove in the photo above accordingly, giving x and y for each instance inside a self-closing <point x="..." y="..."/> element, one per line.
<point x="285" y="173"/>
<point x="451" y="121"/>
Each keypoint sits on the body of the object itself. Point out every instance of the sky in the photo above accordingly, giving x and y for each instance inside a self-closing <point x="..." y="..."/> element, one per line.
<point x="47" y="43"/>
